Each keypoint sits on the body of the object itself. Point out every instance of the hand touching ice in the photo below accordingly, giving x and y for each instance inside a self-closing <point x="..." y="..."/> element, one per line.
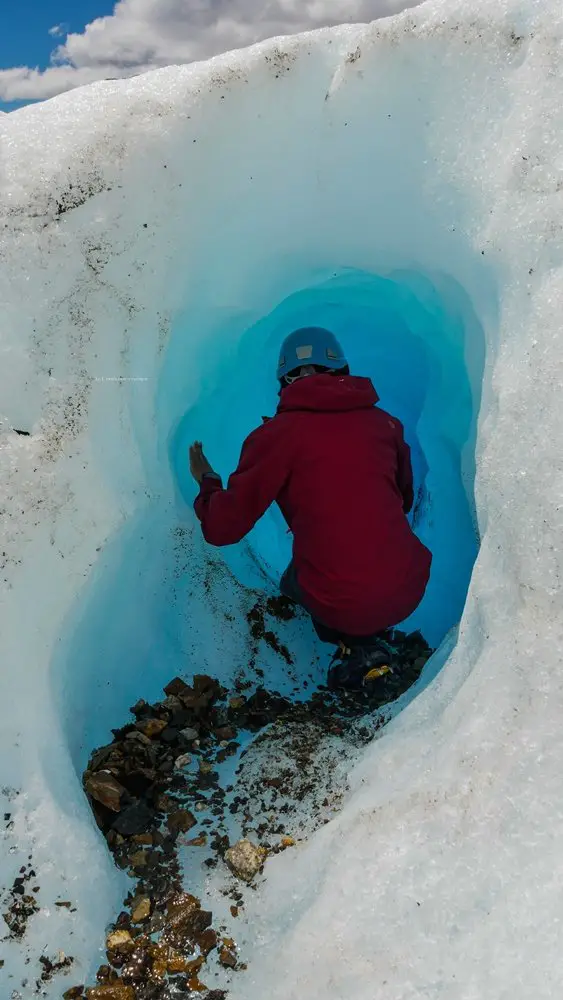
<point x="198" y="462"/>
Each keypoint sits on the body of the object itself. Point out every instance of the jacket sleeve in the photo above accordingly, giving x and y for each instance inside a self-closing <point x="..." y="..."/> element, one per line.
<point x="227" y="515"/>
<point x="404" y="471"/>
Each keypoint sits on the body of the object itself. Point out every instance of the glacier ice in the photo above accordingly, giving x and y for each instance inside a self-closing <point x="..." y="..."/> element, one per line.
<point x="401" y="181"/>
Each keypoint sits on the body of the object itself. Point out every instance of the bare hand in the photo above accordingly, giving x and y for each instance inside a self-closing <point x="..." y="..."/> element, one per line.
<point x="198" y="462"/>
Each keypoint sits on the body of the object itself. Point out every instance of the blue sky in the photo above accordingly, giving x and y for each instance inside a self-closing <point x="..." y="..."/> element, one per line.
<point x="103" y="39"/>
<point x="25" y="38"/>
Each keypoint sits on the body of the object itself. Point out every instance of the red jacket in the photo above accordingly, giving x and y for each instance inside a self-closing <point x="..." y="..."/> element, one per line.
<point x="340" y="470"/>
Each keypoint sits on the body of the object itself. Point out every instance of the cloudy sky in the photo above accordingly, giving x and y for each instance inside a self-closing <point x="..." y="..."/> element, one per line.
<point x="48" y="46"/>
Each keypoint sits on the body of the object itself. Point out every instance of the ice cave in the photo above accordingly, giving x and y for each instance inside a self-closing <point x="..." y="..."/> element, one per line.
<point x="400" y="183"/>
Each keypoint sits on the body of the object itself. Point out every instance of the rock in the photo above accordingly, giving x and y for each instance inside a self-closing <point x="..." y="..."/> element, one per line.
<point x="182" y="761"/>
<point x="170" y="735"/>
<point x="179" y="963"/>
<point x="104" y="788"/>
<point x="136" y="737"/>
<point x="180" y="821"/>
<point x="185" y="920"/>
<point x="140" y="780"/>
<point x="151" y="727"/>
<point x="177" y="687"/>
<point x="138" y="859"/>
<point x="111" y="991"/>
<point x="236" y="703"/>
<point x="180" y="907"/>
<point x="189" y="734"/>
<point x="141" y="910"/>
<point x="139" y="707"/>
<point x="118" y="940"/>
<point x="136" y="818"/>
<point x="172" y="703"/>
<point x="245" y="859"/>
<point x="207" y="941"/>
<point x="225" y="733"/>
<point x="287" y="842"/>
<point x="227" y="953"/>
<point x="205" y="766"/>
<point x="74" y="993"/>
<point x="146" y="839"/>
<point x="203" y="684"/>
<point x="100" y="756"/>
<point x="199" y="841"/>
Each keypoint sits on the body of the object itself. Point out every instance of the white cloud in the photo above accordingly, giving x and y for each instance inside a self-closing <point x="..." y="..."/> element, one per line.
<point x="141" y="34"/>
<point x="58" y="30"/>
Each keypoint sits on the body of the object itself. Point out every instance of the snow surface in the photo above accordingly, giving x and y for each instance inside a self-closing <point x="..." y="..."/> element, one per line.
<point x="402" y="180"/>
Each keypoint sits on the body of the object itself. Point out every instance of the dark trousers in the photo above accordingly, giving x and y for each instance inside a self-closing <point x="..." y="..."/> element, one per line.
<point x="289" y="587"/>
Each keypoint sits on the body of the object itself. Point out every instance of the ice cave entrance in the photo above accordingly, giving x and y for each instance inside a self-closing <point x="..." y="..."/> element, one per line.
<point x="418" y="338"/>
<point x="161" y="602"/>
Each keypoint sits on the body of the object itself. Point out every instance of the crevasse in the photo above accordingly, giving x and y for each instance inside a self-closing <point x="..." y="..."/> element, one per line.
<point x="399" y="182"/>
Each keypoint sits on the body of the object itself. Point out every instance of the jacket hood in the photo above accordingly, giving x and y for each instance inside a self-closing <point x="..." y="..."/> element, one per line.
<point x="328" y="393"/>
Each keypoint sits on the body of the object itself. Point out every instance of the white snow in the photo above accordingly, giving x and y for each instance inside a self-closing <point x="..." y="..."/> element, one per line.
<point x="403" y="179"/>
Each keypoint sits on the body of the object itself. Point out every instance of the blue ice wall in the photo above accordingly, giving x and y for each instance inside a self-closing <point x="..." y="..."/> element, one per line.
<point x="424" y="351"/>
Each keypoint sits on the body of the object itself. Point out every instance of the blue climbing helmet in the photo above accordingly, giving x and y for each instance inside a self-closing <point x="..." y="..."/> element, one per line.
<point x="311" y="345"/>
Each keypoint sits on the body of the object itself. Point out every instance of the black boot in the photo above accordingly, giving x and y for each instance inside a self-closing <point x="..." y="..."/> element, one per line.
<point x="354" y="669"/>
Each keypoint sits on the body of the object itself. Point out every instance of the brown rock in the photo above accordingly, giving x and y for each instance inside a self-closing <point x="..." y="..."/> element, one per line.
<point x="200" y="841"/>
<point x="180" y="907"/>
<point x="227" y="955"/>
<point x="172" y="703"/>
<point x="151" y="727"/>
<point x="137" y="737"/>
<point x="234" y="911"/>
<point x="236" y="703"/>
<point x="111" y="991"/>
<point x="177" y="687"/>
<point x="143" y="838"/>
<point x="74" y="993"/>
<point x="141" y="910"/>
<point x="196" y="986"/>
<point x="207" y="941"/>
<point x="245" y="859"/>
<point x="104" y="788"/>
<point x="138" y="859"/>
<point x="179" y="963"/>
<point x="185" y="920"/>
<point x="180" y="821"/>
<point x="225" y="733"/>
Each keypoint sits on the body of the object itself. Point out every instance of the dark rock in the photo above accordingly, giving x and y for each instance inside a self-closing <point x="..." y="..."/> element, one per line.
<point x="99" y="756"/>
<point x="140" y="780"/>
<point x="137" y="737"/>
<point x="207" y="941"/>
<point x="136" y="818"/>
<point x="225" y="733"/>
<point x="177" y="687"/>
<point x="169" y="735"/>
<point x="181" y="821"/>
<point x="190" y="734"/>
<point x="140" y="707"/>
